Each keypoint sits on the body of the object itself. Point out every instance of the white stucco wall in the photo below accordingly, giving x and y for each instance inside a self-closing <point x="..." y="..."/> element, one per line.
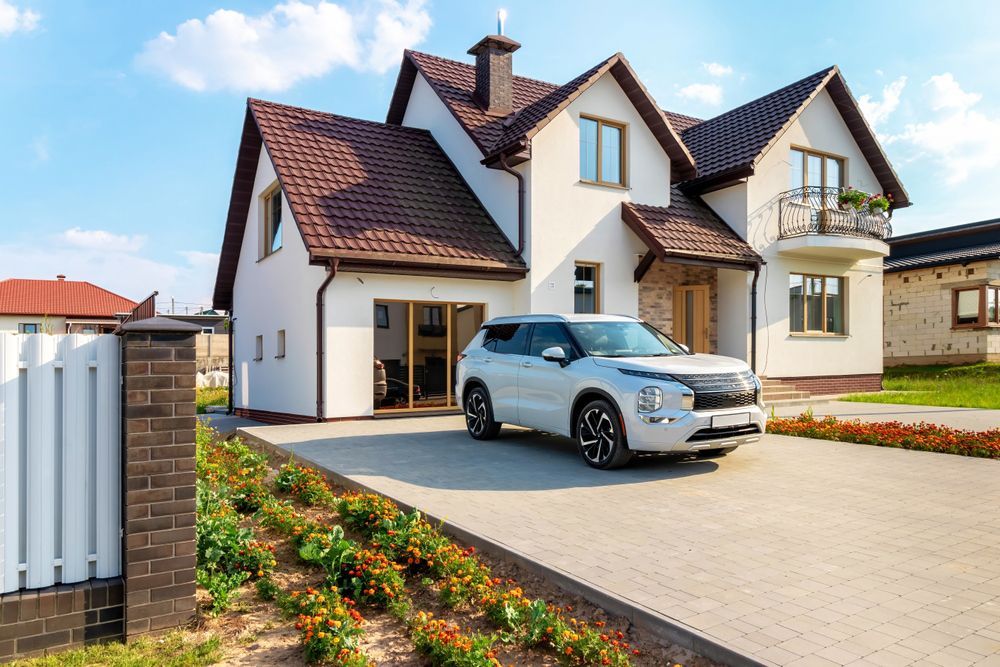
<point x="572" y="221"/>
<point x="781" y="354"/>
<point x="277" y="292"/>
<point x="55" y="325"/>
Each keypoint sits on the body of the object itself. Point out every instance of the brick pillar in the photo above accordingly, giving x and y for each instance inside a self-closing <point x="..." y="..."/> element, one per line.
<point x="158" y="393"/>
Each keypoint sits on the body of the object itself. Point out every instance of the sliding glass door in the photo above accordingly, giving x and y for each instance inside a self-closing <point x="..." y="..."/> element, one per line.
<point x="417" y="344"/>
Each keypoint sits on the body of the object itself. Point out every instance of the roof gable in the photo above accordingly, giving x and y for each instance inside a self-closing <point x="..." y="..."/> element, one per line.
<point x="535" y="104"/>
<point x="371" y="195"/>
<point x="730" y="145"/>
<point x="60" y="298"/>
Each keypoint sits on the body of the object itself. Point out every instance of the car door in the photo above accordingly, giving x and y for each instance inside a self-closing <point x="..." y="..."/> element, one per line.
<point x="504" y="348"/>
<point x="543" y="387"/>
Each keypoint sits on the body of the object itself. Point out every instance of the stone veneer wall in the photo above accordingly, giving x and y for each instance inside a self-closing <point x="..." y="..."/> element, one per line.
<point x="656" y="296"/>
<point x="918" y="315"/>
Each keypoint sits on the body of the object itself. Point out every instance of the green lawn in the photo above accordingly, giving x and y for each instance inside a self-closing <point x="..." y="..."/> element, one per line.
<point x="972" y="386"/>
<point x="173" y="650"/>
<point x="211" y="396"/>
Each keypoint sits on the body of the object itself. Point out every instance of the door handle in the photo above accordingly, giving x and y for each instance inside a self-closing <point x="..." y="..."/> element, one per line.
<point x="526" y="364"/>
<point x="488" y="360"/>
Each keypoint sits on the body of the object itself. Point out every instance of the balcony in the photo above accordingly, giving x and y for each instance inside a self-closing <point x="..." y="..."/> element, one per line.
<point x="812" y="223"/>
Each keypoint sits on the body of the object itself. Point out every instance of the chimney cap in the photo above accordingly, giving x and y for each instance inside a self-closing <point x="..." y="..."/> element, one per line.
<point x="501" y="42"/>
<point x="61" y="277"/>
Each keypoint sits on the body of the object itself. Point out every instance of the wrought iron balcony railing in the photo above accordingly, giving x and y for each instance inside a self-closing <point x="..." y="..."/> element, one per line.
<point x="816" y="210"/>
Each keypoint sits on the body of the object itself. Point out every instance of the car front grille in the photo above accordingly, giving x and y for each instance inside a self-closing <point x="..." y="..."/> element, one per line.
<point x="720" y="391"/>
<point x="724" y="432"/>
<point x="724" y="400"/>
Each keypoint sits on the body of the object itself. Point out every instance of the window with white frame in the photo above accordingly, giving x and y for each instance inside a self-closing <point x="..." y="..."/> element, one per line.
<point x="280" y="351"/>
<point x="258" y="348"/>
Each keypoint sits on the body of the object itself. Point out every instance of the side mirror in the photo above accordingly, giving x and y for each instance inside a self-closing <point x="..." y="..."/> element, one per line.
<point x="556" y="354"/>
<point x="685" y="348"/>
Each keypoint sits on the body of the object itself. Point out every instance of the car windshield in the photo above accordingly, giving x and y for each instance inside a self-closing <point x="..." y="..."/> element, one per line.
<point x="623" y="339"/>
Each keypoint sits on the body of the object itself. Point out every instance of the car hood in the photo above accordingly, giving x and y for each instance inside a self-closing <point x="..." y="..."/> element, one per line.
<point x="687" y="364"/>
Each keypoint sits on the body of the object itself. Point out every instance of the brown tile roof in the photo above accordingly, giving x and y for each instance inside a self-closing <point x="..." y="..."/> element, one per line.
<point x="60" y="298"/>
<point x="368" y="194"/>
<point x="687" y="229"/>
<point x="731" y="144"/>
<point x="535" y="104"/>
<point x="737" y="137"/>
<point x="680" y="121"/>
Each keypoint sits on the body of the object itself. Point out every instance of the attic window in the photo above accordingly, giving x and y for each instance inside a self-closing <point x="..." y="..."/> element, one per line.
<point x="602" y="151"/>
<point x="271" y="222"/>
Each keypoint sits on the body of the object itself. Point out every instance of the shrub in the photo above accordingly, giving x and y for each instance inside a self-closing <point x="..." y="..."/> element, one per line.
<point x="922" y="436"/>
<point x="367" y="512"/>
<point x="308" y="485"/>
<point x="370" y="578"/>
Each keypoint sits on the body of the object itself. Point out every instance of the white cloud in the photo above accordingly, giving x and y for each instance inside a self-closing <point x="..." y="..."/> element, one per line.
<point x="877" y="112"/>
<point x="962" y="139"/>
<point x="292" y="41"/>
<point x="122" y="269"/>
<point x="98" y="239"/>
<point x="706" y="93"/>
<point x="13" y="19"/>
<point x="947" y="94"/>
<point x="717" y="69"/>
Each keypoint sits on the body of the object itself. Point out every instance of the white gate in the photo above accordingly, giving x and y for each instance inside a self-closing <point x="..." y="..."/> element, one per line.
<point x="60" y="469"/>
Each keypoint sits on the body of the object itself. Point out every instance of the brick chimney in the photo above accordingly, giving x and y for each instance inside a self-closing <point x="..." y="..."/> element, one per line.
<point x="495" y="73"/>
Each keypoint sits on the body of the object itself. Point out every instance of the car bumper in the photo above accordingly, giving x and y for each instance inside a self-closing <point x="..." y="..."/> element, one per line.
<point x="689" y="432"/>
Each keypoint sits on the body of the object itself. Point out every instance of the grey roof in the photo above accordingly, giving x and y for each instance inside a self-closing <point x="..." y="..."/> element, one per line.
<point x="940" y="258"/>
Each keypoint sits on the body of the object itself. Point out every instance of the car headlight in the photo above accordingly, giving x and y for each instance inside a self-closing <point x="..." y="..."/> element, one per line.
<point x="650" y="399"/>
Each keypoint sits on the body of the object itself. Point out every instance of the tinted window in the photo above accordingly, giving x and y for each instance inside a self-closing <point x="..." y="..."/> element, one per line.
<point x="623" y="339"/>
<point x="507" y="338"/>
<point x="550" y="335"/>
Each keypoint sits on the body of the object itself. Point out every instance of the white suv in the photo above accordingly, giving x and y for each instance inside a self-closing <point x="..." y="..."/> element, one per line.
<point x="616" y="384"/>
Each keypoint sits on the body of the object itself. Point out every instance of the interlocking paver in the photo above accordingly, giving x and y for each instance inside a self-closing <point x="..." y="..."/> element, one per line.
<point x="856" y="553"/>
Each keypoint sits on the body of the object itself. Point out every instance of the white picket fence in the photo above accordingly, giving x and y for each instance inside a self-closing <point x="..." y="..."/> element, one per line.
<point x="60" y="467"/>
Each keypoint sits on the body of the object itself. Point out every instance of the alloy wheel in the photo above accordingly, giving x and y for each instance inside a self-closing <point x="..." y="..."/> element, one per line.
<point x="476" y="415"/>
<point x="597" y="435"/>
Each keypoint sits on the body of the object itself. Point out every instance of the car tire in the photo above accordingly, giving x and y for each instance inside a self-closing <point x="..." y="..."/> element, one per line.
<point x="479" y="415"/>
<point x="600" y="436"/>
<point x="714" y="453"/>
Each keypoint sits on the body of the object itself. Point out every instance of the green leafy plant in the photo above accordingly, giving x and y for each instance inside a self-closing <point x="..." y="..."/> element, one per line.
<point x="330" y="627"/>
<point x="445" y="644"/>
<point x="221" y="586"/>
<point x="879" y="203"/>
<point x="851" y="198"/>
<point x="307" y="484"/>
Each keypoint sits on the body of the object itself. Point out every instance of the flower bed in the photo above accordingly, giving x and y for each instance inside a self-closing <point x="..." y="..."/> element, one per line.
<point x="923" y="436"/>
<point x="396" y="563"/>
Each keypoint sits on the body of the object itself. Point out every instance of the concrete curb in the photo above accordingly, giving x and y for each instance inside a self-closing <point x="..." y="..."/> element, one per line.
<point x="647" y="620"/>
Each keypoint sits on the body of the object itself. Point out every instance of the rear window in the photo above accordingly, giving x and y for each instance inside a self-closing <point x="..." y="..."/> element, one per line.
<point x="507" y="338"/>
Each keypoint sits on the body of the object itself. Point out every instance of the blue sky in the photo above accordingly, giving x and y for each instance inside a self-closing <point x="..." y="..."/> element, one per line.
<point x="121" y="120"/>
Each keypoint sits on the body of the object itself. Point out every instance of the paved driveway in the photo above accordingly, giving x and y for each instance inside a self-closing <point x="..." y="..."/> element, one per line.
<point x="792" y="551"/>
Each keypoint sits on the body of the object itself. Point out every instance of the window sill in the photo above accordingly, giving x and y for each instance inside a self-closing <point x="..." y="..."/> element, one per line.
<point x="270" y="254"/>
<point x="974" y="327"/>
<point x="817" y="335"/>
<point x="279" y="356"/>
<point x="613" y="186"/>
<point x="258" y="358"/>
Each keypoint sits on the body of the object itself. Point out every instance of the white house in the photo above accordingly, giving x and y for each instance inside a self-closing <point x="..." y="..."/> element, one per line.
<point x="351" y="244"/>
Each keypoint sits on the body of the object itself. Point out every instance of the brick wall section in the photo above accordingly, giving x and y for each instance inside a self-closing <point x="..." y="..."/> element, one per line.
<point x="656" y="296"/>
<point x="158" y="369"/>
<point x="45" y="620"/>
<point x="917" y="315"/>
<point x="820" y="385"/>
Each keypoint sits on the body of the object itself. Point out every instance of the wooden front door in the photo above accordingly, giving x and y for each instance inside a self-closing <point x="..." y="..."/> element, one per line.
<point x="691" y="317"/>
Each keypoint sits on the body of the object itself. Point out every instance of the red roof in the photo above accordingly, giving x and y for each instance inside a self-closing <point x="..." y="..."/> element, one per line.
<point x="60" y="298"/>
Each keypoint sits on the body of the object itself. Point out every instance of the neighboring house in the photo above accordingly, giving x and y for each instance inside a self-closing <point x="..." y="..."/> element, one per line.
<point x="210" y="321"/>
<point x="59" y="306"/>
<point x="488" y="194"/>
<point x="942" y="296"/>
